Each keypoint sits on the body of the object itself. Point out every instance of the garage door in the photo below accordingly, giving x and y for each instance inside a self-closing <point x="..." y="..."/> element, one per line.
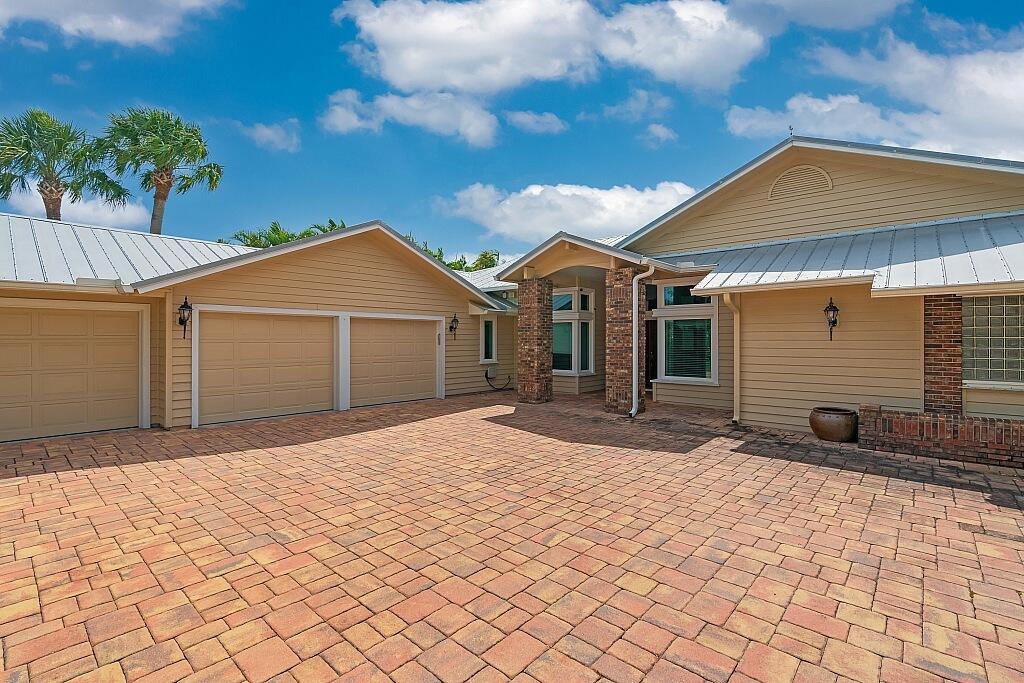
<point x="66" y="371"/>
<point x="264" y="365"/>
<point x="393" y="360"/>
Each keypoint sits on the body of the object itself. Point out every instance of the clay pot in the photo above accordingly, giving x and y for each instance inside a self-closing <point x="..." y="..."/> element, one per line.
<point x="834" y="424"/>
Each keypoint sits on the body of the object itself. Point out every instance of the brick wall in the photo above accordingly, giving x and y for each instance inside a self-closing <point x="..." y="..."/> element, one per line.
<point x="943" y="354"/>
<point x="533" y="342"/>
<point x="618" y="331"/>
<point x="985" y="440"/>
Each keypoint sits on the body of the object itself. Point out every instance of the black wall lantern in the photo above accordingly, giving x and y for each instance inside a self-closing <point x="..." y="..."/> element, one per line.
<point x="454" y="326"/>
<point x="184" y="315"/>
<point x="831" y="317"/>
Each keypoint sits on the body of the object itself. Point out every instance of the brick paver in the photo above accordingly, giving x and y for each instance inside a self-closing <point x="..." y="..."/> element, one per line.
<point x="476" y="539"/>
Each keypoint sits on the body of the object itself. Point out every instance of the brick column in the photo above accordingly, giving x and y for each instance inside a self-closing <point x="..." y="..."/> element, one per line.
<point x="533" y="346"/>
<point x="618" y="336"/>
<point x="943" y="354"/>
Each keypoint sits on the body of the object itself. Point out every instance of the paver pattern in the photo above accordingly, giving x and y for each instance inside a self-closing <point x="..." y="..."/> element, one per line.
<point x="477" y="539"/>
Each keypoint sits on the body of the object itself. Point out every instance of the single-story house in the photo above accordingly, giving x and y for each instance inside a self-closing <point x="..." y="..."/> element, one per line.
<point x="95" y="332"/>
<point x="721" y="302"/>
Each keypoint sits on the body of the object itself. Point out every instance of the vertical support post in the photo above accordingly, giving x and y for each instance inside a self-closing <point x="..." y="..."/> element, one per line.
<point x="533" y="344"/>
<point x="618" y="331"/>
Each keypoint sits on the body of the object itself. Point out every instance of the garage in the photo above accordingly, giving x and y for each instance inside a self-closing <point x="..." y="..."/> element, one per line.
<point x="68" y="368"/>
<point x="393" y="360"/>
<point x="253" y="366"/>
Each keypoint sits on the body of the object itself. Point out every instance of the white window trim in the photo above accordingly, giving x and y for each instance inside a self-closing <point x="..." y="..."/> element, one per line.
<point x="574" y="317"/>
<point x="662" y="309"/>
<point x="992" y="385"/>
<point x="687" y="312"/>
<point x="494" y="341"/>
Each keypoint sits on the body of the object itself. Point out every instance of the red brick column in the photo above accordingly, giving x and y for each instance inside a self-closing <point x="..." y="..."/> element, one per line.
<point x="533" y="349"/>
<point x="943" y="354"/>
<point x="618" y="337"/>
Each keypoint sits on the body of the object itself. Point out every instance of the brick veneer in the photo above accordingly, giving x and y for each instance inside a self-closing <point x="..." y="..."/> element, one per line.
<point x="986" y="440"/>
<point x="533" y="347"/>
<point x="618" y="336"/>
<point x="943" y="354"/>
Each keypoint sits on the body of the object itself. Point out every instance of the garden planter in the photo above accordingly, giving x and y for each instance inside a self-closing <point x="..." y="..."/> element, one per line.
<point x="834" y="424"/>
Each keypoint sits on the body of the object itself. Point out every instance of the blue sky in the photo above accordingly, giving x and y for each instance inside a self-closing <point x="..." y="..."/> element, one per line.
<point x="494" y="123"/>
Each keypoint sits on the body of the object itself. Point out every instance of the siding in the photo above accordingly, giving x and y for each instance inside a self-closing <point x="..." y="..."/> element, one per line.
<point x="994" y="403"/>
<point x="789" y="366"/>
<point x="866" y="194"/>
<point x="705" y="396"/>
<point x="361" y="273"/>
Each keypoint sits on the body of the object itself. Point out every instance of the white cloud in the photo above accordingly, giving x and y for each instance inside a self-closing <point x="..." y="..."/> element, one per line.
<point x="532" y="122"/>
<point x="31" y="44"/>
<point x="440" y="113"/>
<point x="61" y="79"/>
<point x="657" y="135"/>
<point x="693" y="43"/>
<point x="480" y="46"/>
<point x="126" y="22"/>
<point x="538" y="211"/>
<point x="88" y="211"/>
<point x="845" y="14"/>
<point x="641" y="104"/>
<point x="969" y="103"/>
<point x="279" y="137"/>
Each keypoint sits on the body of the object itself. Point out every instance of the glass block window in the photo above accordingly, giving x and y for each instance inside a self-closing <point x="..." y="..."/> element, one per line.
<point x="992" y="338"/>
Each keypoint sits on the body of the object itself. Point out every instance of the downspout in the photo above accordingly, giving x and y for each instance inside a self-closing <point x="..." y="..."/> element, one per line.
<point x="730" y="301"/>
<point x="636" y="339"/>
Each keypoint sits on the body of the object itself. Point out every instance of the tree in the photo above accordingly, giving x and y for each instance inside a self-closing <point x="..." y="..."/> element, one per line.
<point x="487" y="258"/>
<point x="275" y="233"/>
<point x="60" y="158"/>
<point x="167" y="151"/>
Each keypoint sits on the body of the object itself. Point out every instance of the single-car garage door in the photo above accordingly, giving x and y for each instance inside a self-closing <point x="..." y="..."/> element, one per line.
<point x="66" y="371"/>
<point x="264" y="365"/>
<point x="392" y="360"/>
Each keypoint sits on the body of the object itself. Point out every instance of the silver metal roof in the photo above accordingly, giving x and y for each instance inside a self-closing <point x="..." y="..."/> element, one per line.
<point x="484" y="279"/>
<point x="42" y="251"/>
<point x="967" y="252"/>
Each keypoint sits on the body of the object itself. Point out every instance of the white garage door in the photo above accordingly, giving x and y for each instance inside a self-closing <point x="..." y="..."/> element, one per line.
<point x="393" y="360"/>
<point x="254" y="366"/>
<point x="66" y="371"/>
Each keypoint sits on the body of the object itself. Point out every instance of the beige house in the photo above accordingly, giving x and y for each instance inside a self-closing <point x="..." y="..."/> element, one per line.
<point x="720" y="302"/>
<point x="94" y="334"/>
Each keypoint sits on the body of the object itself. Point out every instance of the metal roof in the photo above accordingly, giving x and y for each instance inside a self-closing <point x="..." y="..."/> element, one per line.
<point x="42" y="251"/>
<point x="806" y="142"/>
<point x="484" y="279"/>
<point x="956" y="254"/>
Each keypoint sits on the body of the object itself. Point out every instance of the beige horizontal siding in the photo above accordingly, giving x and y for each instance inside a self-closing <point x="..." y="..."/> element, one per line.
<point x="706" y="396"/>
<point x="157" y="323"/>
<point x="789" y="366"/>
<point x="994" y="403"/>
<point x="868" y="193"/>
<point x="565" y="384"/>
<point x="367" y="272"/>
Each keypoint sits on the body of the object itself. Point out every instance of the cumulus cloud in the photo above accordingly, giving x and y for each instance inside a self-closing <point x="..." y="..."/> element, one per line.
<point x="774" y="14"/>
<point x="532" y="122"/>
<point x="278" y="137"/>
<point x="441" y="113"/>
<point x="126" y="22"/>
<point x="88" y="211"/>
<point x="31" y="44"/>
<point x="656" y="135"/>
<point x="968" y="103"/>
<point x="641" y="104"/>
<point x="538" y="211"/>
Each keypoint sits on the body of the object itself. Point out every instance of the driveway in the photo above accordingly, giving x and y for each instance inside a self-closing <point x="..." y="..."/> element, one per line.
<point x="477" y="539"/>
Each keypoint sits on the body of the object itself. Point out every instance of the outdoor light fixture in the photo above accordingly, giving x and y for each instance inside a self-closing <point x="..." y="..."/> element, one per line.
<point x="184" y="315"/>
<point x="454" y="326"/>
<point x="831" y="317"/>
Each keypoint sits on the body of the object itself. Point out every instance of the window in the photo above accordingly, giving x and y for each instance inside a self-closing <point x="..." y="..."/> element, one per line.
<point x="572" y="332"/>
<point x="488" y="339"/>
<point x="687" y="335"/>
<point x="992" y="339"/>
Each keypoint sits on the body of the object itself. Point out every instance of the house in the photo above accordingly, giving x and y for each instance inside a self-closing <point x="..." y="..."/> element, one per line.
<point x="95" y="333"/>
<point x="721" y="301"/>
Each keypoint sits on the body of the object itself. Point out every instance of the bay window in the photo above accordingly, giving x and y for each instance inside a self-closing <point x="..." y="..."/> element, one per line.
<point x="687" y="335"/>
<point x="572" y="332"/>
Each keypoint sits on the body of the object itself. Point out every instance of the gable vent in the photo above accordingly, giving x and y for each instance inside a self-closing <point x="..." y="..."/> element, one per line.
<point x="800" y="180"/>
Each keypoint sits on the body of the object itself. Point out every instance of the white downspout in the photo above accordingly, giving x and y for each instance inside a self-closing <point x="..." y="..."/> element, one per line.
<point x="636" y="339"/>
<point x="730" y="301"/>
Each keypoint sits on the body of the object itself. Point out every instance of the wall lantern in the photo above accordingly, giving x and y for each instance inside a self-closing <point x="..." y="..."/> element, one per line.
<point x="184" y="315"/>
<point x="454" y="326"/>
<point x="831" y="317"/>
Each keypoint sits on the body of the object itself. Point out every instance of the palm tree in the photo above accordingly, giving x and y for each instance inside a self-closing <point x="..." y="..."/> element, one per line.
<point x="275" y="233"/>
<point x="167" y="151"/>
<point x="60" y="158"/>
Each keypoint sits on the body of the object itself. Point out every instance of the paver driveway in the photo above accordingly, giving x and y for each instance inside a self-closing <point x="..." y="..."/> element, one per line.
<point x="476" y="539"/>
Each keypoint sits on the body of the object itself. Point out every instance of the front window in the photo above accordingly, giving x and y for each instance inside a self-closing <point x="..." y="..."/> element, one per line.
<point x="681" y="295"/>
<point x="992" y="339"/>
<point x="561" y="346"/>
<point x="561" y="302"/>
<point x="488" y="340"/>
<point x="572" y="332"/>
<point x="688" y="348"/>
<point x="687" y="335"/>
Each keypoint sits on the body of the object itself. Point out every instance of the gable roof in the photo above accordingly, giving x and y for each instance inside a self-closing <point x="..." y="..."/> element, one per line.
<point x="42" y="252"/>
<point x="804" y="142"/>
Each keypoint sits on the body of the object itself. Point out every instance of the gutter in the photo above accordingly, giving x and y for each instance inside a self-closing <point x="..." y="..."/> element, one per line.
<point x="636" y="337"/>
